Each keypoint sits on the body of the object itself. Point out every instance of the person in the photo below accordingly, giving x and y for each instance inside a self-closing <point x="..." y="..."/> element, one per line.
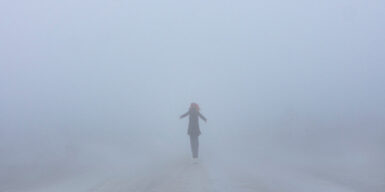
<point x="193" y="127"/>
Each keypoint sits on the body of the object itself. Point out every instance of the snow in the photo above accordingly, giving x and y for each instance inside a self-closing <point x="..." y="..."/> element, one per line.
<point x="209" y="174"/>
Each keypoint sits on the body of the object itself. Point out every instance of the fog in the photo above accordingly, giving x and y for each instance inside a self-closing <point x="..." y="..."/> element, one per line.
<point x="94" y="89"/>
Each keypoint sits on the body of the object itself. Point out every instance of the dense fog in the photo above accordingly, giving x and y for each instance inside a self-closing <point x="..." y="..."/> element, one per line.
<point x="88" y="86"/>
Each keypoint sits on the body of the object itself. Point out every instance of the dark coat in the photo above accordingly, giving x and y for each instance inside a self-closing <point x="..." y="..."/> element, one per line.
<point x="193" y="125"/>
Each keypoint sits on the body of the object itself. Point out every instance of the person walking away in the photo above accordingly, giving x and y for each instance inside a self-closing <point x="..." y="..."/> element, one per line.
<point x="193" y="127"/>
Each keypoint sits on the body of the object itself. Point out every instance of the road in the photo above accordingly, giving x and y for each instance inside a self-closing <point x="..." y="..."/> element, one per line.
<point x="182" y="174"/>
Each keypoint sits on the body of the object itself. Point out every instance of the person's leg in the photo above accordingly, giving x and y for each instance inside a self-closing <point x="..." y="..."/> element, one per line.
<point x="194" y="146"/>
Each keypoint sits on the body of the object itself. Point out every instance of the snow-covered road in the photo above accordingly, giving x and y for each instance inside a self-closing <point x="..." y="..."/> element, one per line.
<point x="181" y="176"/>
<point x="208" y="175"/>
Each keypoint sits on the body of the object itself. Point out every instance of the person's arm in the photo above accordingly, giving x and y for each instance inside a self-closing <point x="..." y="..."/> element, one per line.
<point x="202" y="117"/>
<point x="184" y="115"/>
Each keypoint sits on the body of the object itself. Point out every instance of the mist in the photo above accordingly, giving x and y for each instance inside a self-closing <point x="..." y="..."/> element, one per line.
<point x="93" y="90"/>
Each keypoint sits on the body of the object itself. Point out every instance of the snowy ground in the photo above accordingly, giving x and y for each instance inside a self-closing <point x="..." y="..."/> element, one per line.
<point x="208" y="175"/>
<point x="221" y="168"/>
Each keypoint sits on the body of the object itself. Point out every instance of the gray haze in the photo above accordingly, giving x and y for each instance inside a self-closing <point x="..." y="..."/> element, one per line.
<point x="99" y="85"/>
